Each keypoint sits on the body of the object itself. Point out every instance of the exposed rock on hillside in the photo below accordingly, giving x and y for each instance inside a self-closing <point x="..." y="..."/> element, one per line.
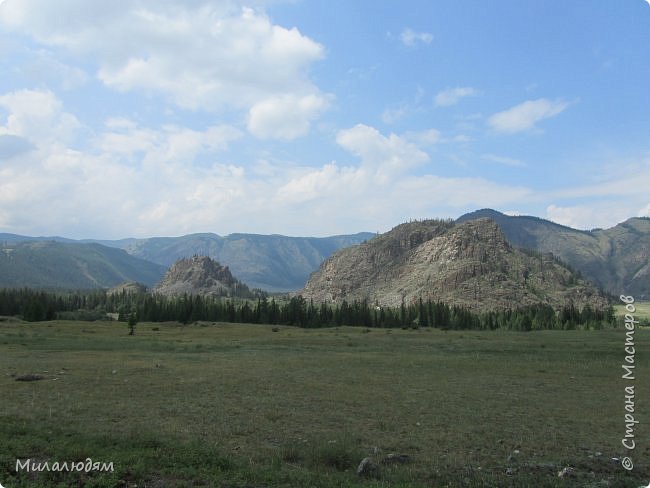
<point x="200" y="275"/>
<point x="269" y="262"/>
<point x="470" y="264"/>
<point x="616" y="259"/>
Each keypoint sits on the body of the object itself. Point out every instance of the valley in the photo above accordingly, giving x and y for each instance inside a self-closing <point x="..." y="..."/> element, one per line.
<point x="240" y="405"/>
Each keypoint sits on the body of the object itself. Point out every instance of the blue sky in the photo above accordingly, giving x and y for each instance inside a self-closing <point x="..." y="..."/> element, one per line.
<point x="313" y="117"/>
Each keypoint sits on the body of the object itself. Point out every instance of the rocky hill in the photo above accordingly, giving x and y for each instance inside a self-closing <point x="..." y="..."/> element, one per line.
<point x="470" y="264"/>
<point x="615" y="259"/>
<point x="270" y="262"/>
<point x="200" y="275"/>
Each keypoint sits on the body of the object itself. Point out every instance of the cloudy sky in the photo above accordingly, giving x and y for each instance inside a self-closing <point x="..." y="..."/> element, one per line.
<point x="317" y="117"/>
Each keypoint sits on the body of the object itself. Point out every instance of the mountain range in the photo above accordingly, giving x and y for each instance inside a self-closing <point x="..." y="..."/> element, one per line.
<point x="71" y="265"/>
<point x="616" y="260"/>
<point x="270" y="262"/>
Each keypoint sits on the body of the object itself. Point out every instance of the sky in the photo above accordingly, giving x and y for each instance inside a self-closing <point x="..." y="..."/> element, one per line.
<point x="144" y="118"/>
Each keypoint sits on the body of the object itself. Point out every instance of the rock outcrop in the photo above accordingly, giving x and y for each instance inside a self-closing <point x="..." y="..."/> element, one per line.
<point x="469" y="264"/>
<point x="200" y="275"/>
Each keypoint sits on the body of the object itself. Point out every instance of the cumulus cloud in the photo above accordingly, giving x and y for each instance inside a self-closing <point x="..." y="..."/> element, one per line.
<point x="200" y="55"/>
<point x="384" y="157"/>
<point x="452" y="96"/>
<point x="286" y="117"/>
<point x="411" y="38"/>
<point x="140" y="180"/>
<point x="524" y="116"/>
<point x="38" y="117"/>
<point x="381" y="186"/>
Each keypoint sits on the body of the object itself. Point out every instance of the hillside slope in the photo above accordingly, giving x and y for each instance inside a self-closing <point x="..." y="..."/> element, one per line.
<point x="616" y="259"/>
<point x="269" y="262"/>
<point x="47" y="264"/>
<point x="469" y="264"/>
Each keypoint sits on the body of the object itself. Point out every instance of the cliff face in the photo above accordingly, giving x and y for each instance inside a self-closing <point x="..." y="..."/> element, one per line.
<point x="470" y="264"/>
<point x="198" y="275"/>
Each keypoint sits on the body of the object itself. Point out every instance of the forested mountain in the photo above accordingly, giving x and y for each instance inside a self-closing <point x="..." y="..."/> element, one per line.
<point x="616" y="259"/>
<point x="469" y="264"/>
<point x="49" y="264"/>
<point x="269" y="262"/>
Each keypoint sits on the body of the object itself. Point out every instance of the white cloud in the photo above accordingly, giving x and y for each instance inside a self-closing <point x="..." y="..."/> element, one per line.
<point x="382" y="188"/>
<point x="170" y="145"/>
<point x="411" y="38"/>
<point x="503" y="160"/>
<point x="600" y="214"/>
<point x="629" y="181"/>
<point x="429" y="137"/>
<point x="320" y="184"/>
<point x="452" y="96"/>
<point x="43" y="68"/>
<point x="37" y="116"/>
<point x="395" y="114"/>
<point x="128" y="175"/>
<point x="138" y="180"/>
<point x="286" y="117"/>
<point x="200" y="55"/>
<point x="384" y="157"/>
<point x="618" y="192"/>
<point x="524" y="116"/>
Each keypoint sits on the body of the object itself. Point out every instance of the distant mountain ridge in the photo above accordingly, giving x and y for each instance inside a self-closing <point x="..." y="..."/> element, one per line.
<point x="616" y="259"/>
<point x="269" y="262"/>
<point x="469" y="264"/>
<point x="71" y="265"/>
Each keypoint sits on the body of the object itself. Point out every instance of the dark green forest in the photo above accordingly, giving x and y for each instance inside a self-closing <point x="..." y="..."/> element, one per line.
<point x="34" y="305"/>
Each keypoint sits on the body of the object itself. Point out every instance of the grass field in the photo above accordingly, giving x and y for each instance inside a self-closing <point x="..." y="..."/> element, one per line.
<point x="641" y="313"/>
<point x="243" y="406"/>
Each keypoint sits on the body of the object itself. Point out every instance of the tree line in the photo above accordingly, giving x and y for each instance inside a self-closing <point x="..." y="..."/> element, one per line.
<point x="35" y="305"/>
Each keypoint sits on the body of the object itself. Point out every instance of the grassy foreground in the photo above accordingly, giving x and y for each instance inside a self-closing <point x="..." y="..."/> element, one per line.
<point x="245" y="406"/>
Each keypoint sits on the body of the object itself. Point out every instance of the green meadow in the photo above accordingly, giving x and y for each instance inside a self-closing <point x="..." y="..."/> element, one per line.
<point x="232" y="405"/>
<point x="641" y="311"/>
